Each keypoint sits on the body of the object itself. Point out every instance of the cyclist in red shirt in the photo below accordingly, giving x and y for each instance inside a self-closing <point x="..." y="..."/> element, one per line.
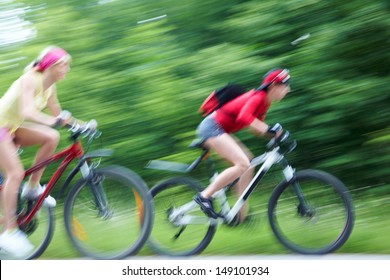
<point x="247" y="110"/>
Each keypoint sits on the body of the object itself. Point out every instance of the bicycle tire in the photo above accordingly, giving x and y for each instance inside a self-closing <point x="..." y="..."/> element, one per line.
<point x="123" y="228"/>
<point x="331" y="213"/>
<point x="39" y="230"/>
<point x="194" y="238"/>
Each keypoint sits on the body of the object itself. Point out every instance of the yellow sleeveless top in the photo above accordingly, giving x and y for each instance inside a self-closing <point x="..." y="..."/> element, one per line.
<point x="10" y="116"/>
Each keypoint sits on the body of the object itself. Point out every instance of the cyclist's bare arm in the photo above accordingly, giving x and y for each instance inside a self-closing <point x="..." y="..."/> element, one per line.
<point x="27" y="103"/>
<point x="54" y="106"/>
<point x="261" y="128"/>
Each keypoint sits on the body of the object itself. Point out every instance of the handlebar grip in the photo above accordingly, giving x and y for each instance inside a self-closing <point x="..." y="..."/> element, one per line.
<point x="64" y="115"/>
<point x="277" y="141"/>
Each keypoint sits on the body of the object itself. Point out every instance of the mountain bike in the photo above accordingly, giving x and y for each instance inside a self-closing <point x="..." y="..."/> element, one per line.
<point x="309" y="211"/>
<point x="107" y="212"/>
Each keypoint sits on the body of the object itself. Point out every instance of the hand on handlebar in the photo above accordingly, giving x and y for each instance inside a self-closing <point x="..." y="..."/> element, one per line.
<point x="279" y="138"/>
<point x="65" y="116"/>
<point x="62" y="119"/>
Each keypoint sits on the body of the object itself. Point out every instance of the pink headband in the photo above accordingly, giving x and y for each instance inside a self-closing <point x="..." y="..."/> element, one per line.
<point x="51" y="58"/>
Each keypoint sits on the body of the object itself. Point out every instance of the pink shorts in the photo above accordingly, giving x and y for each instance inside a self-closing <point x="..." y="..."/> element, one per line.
<point x="4" y="132"/>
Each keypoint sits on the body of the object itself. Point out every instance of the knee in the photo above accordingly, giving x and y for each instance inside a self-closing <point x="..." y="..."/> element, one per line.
<point x="53" y="138"/>
<point x="16" y="175"/>
<point x="243" y="166"/>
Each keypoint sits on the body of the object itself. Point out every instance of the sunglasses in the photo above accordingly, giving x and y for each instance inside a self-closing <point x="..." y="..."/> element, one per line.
<point x="282" y="78"/>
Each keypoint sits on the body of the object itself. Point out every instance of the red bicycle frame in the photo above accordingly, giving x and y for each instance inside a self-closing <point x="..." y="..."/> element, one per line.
<point x="68" y="155"/>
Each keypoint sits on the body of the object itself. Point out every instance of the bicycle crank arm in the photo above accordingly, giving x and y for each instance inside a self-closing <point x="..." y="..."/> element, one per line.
<point x="177" y="235"/>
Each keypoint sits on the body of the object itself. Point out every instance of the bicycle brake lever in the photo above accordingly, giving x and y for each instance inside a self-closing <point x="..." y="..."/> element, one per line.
<point x="271" y="144"/>
<point x="74" y="127"/>
<point x="89" y="128"/>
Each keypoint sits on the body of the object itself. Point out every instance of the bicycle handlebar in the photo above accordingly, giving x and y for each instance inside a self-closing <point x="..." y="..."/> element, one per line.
<point x="88" y="130"/>
<point x="284" y="142"/>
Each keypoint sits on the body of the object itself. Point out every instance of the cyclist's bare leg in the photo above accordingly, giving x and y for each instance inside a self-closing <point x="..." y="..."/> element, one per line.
<point x="244" y="181"/>
<point x="227" y="148"/>
<point x="13" y="173"/>
<point x="35" y="134"/>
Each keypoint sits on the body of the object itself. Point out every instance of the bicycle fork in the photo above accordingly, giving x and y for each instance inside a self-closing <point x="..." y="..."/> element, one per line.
<point x="303" y="208"/>
<point x="94" y="181"/>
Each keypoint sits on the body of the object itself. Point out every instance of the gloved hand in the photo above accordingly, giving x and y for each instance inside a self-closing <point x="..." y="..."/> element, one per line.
<point x="64" y="115"/>
<point x="62" y="119"/>
<point x="275" y="129"/>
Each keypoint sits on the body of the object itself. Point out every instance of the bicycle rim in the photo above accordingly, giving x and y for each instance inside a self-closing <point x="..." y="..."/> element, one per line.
<point x="118" y="229"/>
<point x="168" y="238"/>
<point x="329" y="222"/>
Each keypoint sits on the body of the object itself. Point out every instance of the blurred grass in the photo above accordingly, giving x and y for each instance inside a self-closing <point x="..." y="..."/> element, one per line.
<point x="144" y="84"/>
<point x="369" y="235"/>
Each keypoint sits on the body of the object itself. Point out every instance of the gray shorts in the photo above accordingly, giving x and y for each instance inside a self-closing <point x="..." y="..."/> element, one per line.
<point x="208" y="128"/>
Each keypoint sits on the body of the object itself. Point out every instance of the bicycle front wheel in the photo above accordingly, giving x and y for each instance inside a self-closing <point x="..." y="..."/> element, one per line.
<point x="110" y="215"/>
<point x="320" y="221"/>
<point x="184" y="234"/>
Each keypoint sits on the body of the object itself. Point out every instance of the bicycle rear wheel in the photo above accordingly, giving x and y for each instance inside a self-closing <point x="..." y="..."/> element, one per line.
<point x="319" y="226"/>
<point x="175" y="237"/>
<point x="110" y="215"/>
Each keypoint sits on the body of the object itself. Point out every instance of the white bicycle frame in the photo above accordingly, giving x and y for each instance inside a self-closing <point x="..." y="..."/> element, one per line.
<point x="180" y="216"/>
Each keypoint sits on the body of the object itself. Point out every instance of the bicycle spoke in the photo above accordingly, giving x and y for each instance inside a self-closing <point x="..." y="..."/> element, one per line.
<point x="180" y="227"/>
<point x="108" y="218"/>
<point x="317" y="221"/>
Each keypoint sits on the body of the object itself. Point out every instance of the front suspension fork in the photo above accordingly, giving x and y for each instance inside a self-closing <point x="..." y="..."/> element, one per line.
<point x="99" y="195"/>
<point x="303" y="208"/>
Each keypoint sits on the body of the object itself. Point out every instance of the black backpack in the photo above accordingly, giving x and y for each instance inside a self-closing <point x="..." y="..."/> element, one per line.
<point x="219" y="97"/>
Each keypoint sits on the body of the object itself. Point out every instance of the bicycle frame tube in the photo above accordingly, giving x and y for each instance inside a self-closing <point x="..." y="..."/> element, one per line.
<point x="269" y="159"/>
<point x="68" y="155"/>
<point x="81" y="166"/>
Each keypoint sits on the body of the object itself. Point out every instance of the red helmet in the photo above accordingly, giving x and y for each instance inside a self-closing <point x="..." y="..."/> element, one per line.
<point x="280" y="76"/>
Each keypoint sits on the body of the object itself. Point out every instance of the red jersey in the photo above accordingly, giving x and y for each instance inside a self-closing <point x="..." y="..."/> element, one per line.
<point x="242" y="111"/>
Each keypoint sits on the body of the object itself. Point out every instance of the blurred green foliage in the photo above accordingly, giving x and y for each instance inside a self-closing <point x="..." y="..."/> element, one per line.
<point x="144" y="82"/>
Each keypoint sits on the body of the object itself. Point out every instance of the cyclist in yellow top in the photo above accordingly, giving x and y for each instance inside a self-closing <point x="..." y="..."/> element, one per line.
<point x="23" y="124"/>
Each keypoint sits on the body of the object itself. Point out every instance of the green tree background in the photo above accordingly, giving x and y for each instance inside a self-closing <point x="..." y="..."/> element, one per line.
<point x="144" y="82"/>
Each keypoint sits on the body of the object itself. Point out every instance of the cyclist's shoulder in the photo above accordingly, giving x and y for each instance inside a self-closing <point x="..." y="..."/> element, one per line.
<point x="30" y="80"/>
<point x="31" y="76"/>
<point x="259" y="92"/>
<point x="256" y="95"/>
